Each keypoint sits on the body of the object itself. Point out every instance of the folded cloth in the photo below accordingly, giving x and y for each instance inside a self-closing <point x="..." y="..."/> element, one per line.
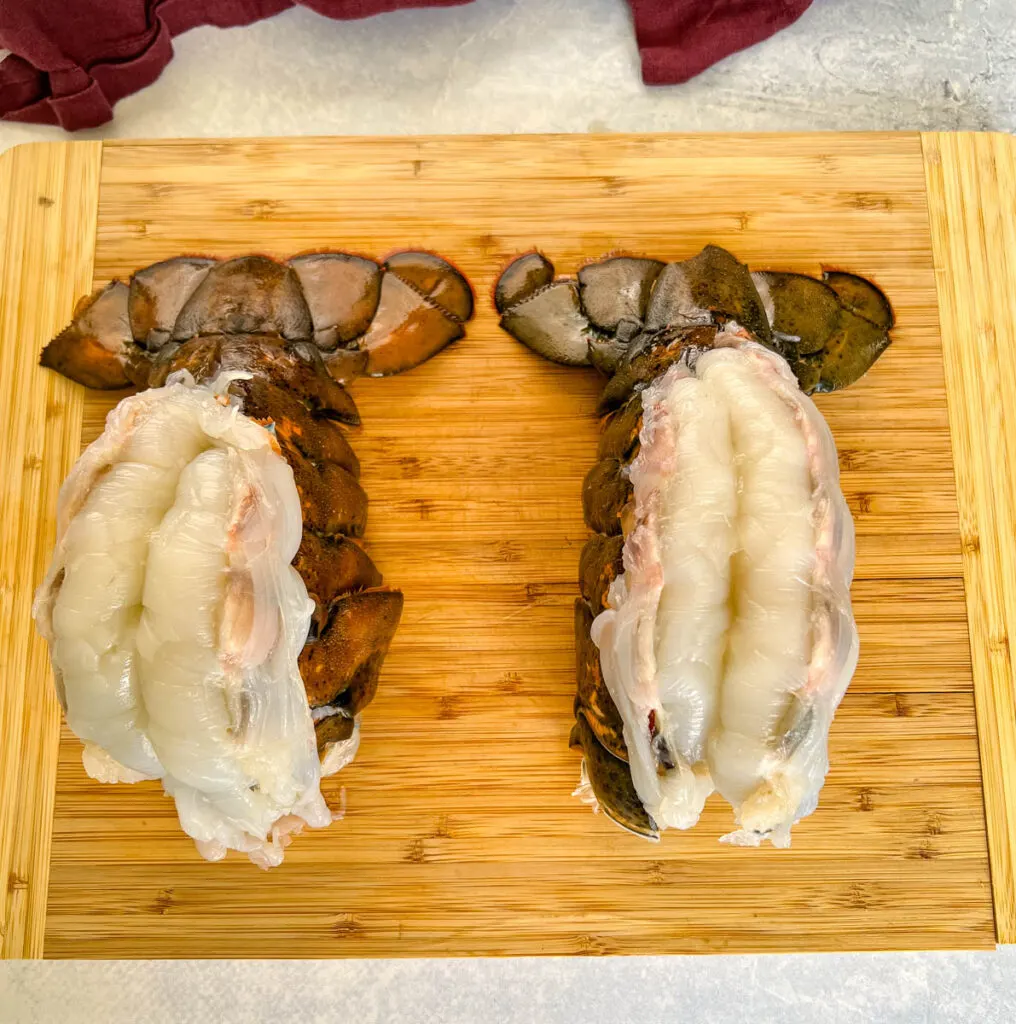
<point x="71" y="60"/>
<point x="678" y="39"/>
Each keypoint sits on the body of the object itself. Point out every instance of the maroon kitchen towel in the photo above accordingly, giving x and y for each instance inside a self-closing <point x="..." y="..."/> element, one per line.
<point x="681" y="38"/>
<point x="71" y="60"/>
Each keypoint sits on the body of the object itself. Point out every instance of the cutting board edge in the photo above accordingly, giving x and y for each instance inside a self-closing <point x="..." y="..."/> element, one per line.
<point x="971" y="177"/>
<point x="284" y="140"/>
<point x="49" y="196"/>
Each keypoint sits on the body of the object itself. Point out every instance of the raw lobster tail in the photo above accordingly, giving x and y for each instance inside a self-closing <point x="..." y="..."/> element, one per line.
<point x="714" y="637"/>
<point x="287" y="336"/>
<point x="175" y="619"/>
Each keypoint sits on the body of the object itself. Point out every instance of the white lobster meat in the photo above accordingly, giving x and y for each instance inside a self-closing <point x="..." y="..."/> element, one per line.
<point x="728" y="640"/>
<point x="175" y="619"/>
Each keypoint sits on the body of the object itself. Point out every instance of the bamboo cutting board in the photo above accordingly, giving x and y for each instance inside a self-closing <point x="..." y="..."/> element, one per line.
<point x="460" y="835"/>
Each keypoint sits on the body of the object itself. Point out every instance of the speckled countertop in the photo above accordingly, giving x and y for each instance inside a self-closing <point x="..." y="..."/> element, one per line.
<point x="491" y="67"/>
<point x="572" y="66"/>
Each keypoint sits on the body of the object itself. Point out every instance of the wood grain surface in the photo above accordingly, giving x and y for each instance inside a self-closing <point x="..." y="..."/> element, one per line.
<point x="972" y="202"/>
<point x="48" y="199"/>
<point x="461" y="836"/>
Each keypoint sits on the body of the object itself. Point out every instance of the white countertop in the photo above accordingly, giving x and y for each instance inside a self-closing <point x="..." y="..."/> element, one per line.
<point x="571" y="66"/>
<point x="883" y="988"/>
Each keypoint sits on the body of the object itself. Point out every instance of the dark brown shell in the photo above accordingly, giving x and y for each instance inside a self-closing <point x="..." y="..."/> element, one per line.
<point x="834" y="346"/>
<point x="551" y="323"/>
<point x="593" y="698"/>
<point x="712" y="286"/>
<point x="248" y="295"/>
<point x="605" y="492"/>
<point x="332" y="567"/>
<point x="651" y="358"/>
<point x="340" y="668"/>
<point x="407" y="329"/>
<point x="620" y="436"/>
<point x="333" y="729"/>
<point x="611" y="782"/>
<point x="599" y="565"/>
<point x="523" y="277"/>
<point x="862" y="297"/>
<point x="319" y="439"/>
<point x="617" y="289"/>
<point x="331" y="498"/>
<point x="436" y="280"/>
<point x="342" y="292"/>
<point x="96" y="347"/>
<point x="830" y="331"/>
<point x="158" y="293"/>
<point x="296" y="367"/>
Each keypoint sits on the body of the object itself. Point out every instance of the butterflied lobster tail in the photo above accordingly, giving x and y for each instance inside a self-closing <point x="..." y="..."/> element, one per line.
<point x="296" y="332"/>
<point x="714" y="637"/>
